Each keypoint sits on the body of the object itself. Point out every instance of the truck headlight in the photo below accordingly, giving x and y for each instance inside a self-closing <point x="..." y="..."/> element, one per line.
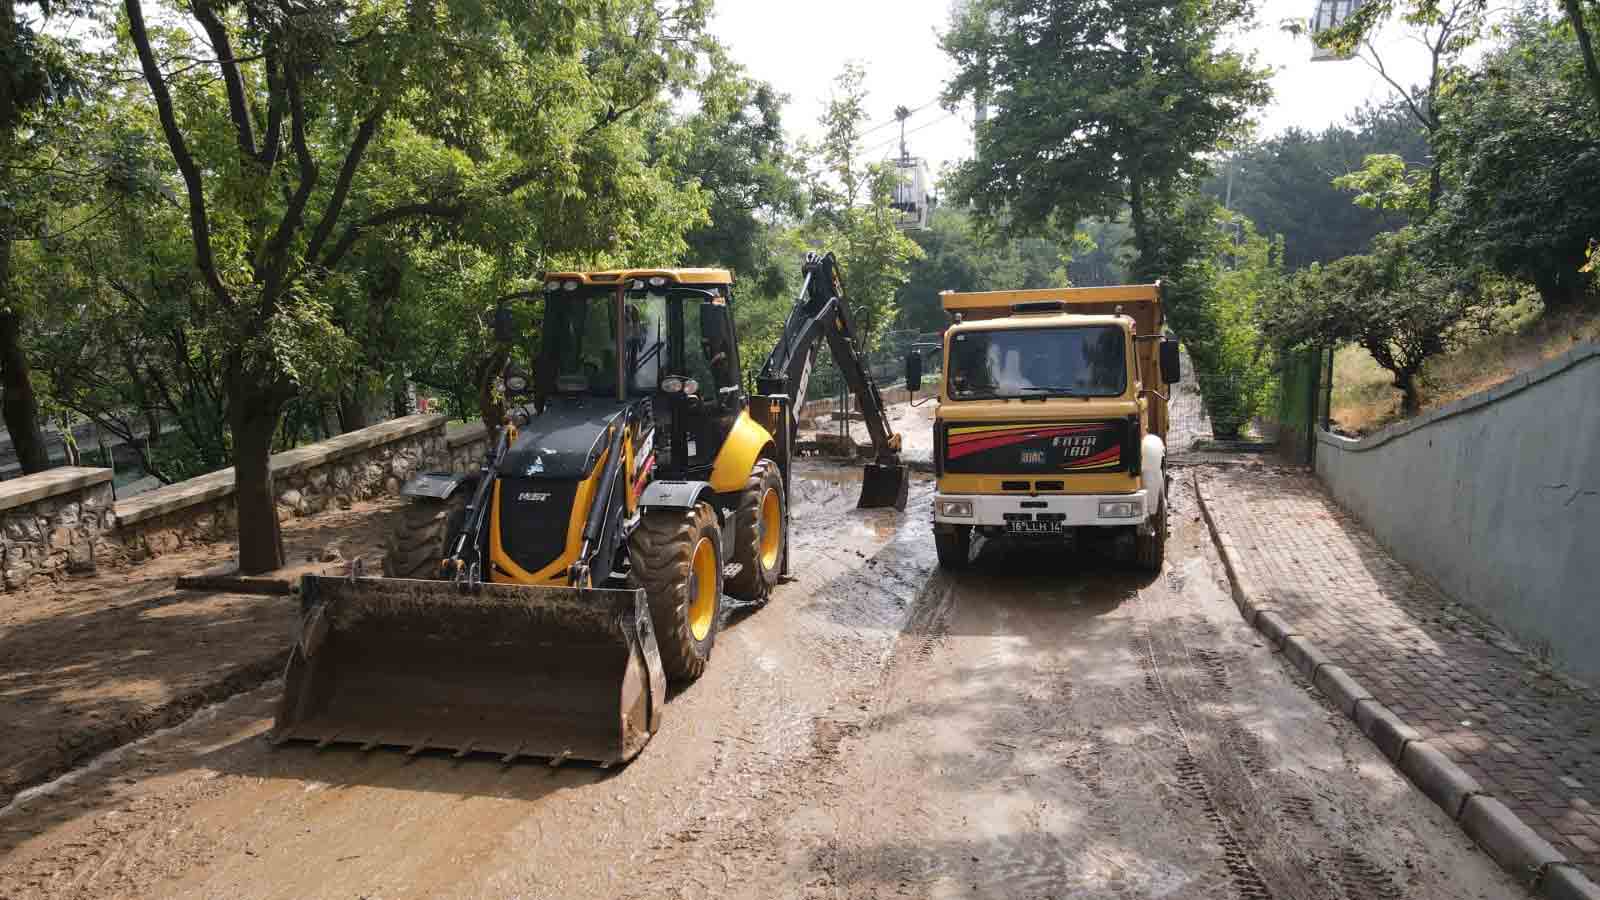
<point x="955" y="509"/>
<point x="1121" y="509"/>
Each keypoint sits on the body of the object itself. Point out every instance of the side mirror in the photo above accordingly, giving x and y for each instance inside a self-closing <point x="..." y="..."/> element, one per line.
<point x="505" y="325"/>
<point x="1169" y="361"/>
<point x="913" y="371"/>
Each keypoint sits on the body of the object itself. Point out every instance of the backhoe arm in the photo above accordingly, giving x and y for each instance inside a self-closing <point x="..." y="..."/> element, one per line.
<point x="820" y="312"/>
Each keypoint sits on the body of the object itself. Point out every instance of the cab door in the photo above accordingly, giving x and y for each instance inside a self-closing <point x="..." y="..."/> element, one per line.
<point x="707" y="353"/>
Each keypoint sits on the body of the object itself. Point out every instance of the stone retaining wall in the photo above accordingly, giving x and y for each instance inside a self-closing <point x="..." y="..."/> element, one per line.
<point x="53" y="523"/>
<point x="335" y="473"/>
<point x="467" y="445"/>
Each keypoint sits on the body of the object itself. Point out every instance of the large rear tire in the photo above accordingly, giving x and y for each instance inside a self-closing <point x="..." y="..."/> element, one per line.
<point x="954" y="546"/>
<point x="758" y="534"/>
<point x="676" y="556"/>
<point x="420" y="536"/>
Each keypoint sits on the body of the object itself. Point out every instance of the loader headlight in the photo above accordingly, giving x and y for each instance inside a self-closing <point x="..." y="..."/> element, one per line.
<point x="552" y="286"/>
<point x="1121" y="509"/>
<point x="569" y="286"/>
<point x="658" y="281"/>
<point x="677" y="384"/>
<point x="955" y="509"/>
<point x="516" y="383"/>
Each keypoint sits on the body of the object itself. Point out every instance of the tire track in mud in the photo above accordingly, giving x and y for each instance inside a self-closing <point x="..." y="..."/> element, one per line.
<point x="1272" y="840"/>
<point x="1191" y="777"/>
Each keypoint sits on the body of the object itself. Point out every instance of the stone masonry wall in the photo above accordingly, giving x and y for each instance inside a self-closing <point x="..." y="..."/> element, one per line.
<point x="335" y="473"/>
<point x="467" y="445"/>
<point x="53" y="524"/>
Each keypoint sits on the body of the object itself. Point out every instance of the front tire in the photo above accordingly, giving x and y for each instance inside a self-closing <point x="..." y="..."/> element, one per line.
<point x="954" y="546"/>
<point x="759" y="534"/>
<point x="1149" y="552"/>
<point x="676" y="556"/>
<point x="419" y="539"/>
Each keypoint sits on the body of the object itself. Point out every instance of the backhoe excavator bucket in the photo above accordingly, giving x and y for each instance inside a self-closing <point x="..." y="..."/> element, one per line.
<point x="883" y="486"/>
<point x="556" y="673"/>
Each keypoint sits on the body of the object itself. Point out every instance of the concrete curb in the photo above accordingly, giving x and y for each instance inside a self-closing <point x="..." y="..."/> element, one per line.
<point x="1505" y="837"/>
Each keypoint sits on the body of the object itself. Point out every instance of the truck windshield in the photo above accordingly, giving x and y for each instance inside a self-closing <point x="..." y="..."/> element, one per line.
<point x="580" y="332"/>
<point x="1078" y="361"/>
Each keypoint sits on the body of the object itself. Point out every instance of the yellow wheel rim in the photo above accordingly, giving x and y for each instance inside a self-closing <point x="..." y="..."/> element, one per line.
<point x="771" y="529"/>
<point x="702" y="589"/>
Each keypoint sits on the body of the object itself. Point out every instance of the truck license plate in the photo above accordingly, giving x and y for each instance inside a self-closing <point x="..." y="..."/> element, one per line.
<point x="1015" y="526"/>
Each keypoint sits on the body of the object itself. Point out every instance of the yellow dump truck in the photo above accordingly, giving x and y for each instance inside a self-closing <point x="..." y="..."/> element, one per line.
<point x="1052" y="420"/>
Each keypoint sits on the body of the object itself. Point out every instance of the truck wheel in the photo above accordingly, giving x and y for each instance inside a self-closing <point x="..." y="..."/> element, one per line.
<point x="420" y="537"/>
<point x="954" y="546"/>
<point x="758" y="534"/>
<point x="676" y="556"/>
<point x="1150" y="552"/>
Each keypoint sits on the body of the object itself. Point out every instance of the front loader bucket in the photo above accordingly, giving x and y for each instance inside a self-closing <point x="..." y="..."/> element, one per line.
<point x="883" y="486"/>
<point x="518" y="671"/>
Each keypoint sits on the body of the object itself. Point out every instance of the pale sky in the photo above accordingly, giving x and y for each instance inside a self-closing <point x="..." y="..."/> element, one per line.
<point x="801" y="48"/>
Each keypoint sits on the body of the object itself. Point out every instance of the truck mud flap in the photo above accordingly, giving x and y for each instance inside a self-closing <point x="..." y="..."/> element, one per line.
<point x="555" y="673"/>
<point x="883" y="486"/>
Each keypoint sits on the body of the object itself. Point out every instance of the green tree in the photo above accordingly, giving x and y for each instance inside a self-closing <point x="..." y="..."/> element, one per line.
<point x="958" y="256"/>
<point x="309" y="129"/>
<point x="1097" y="107"/>
<point x="1285" y="184"/>
<point x="35" y="73"/>
<point x="734" y="149"/>
<point x="852" y="213"/>
<point x="1398" y="303"/>
<point x="1520" y="148"/>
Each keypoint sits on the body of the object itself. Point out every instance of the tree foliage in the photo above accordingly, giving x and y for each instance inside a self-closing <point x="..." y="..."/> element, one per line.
<point x="1520" y="144"/>
<point x="1285" y="184"/>
<point x="1399" y="303"/>
<point x="1098" y="106"/>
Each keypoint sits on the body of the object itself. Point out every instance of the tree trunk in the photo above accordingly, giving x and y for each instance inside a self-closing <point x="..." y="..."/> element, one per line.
<point x="254" y="420"/>
<point x="1410" y="396"/>
<point x="1137" y="215"/>
<point x="1560" y="289"/>
<point x="1591" y="66"/>
<point x="17" y="404"/>
<point x="353" y="407"/>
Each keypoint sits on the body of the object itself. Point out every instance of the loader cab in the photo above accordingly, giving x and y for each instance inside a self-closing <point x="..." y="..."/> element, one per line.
<point x="667" y="337"/>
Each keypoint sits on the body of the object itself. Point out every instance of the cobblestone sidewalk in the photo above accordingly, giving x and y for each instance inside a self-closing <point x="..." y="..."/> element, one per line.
<point x="1529" y="735"/>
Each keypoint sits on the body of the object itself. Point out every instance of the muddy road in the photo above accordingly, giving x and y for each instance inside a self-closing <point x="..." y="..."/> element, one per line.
<point x="1046" y="725"/>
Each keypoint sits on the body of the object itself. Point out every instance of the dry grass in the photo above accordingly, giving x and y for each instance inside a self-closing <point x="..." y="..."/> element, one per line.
<point x="1364" y="397"/>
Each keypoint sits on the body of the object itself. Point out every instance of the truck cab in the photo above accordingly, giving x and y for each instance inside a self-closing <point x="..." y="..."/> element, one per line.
<point x="1052" y="420"/>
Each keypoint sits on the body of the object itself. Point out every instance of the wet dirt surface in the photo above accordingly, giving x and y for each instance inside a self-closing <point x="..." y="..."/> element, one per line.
<point x="1045" y="725"/>
<point x="88" y="663"/>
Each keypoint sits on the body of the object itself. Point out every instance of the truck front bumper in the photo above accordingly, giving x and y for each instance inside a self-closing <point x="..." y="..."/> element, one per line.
<point x="1069" y="510"/>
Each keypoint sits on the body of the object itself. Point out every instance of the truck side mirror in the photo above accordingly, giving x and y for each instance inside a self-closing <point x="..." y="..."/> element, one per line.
<point x="505" y="325"/>
<point x="1169" y="361"/>
<point x="913" y="371"/>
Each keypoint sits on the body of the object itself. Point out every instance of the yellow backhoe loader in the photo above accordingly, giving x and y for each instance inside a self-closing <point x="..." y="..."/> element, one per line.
<point x="540" y="606"/>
